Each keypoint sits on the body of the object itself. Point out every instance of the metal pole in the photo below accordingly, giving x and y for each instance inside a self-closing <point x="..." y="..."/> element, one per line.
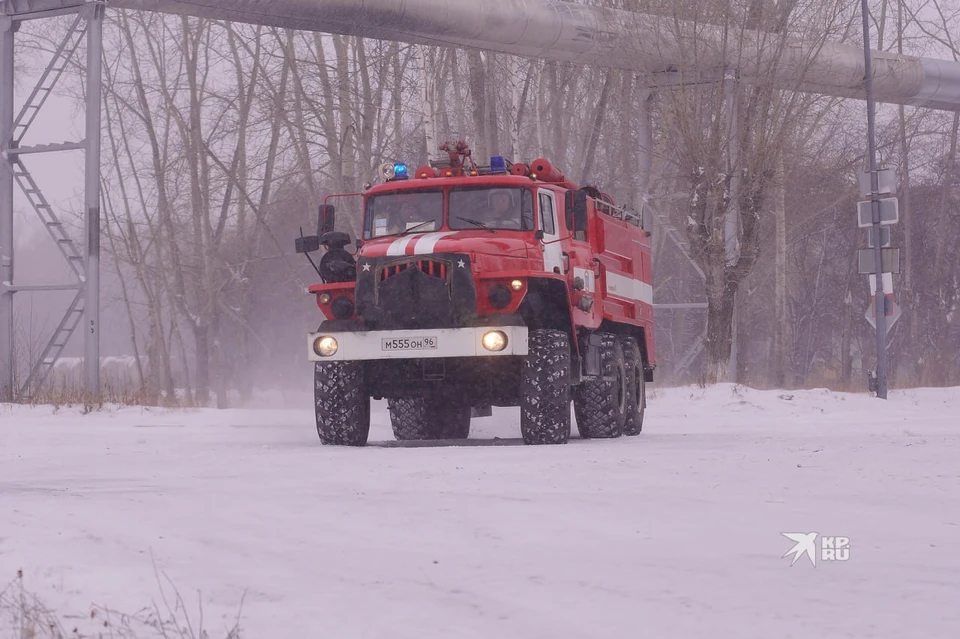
<point x="875" y="200"/>
<point x="92" y="202"/>
<point x="7" y="31"/>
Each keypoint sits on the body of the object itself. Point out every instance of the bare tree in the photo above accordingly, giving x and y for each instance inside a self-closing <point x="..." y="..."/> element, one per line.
<point x="727" y="135"/>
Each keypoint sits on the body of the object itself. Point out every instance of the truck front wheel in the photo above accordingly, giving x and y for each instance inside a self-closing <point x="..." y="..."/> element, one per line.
<point x="601" y="404"/>
<point x="342" y="404"/>
<point x="418" y="418"/>
<point x="545" y="389"/>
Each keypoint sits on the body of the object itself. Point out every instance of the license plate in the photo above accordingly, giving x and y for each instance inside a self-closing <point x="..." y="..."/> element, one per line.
<point x="409" y="344"/>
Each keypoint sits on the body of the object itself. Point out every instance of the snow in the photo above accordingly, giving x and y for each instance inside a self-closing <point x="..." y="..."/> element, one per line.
<point x="676" y="533"/>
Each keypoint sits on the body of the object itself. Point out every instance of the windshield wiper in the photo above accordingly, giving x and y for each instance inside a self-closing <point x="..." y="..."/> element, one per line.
<point x="476" y="223"/>
<point x="414" y="228"/>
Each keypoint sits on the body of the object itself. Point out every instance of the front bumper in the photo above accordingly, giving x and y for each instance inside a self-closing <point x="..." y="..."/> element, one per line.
<point x="419" y="344"/>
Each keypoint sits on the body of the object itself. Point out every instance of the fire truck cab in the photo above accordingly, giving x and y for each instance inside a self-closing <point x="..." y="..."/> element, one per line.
<point x="478" y="286"/>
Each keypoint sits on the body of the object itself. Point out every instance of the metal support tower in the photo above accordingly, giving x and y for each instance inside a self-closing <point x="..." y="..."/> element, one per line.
<point x="879" y="296"/>
<point x="85" y="22"/>
<point x="7" y="27"/>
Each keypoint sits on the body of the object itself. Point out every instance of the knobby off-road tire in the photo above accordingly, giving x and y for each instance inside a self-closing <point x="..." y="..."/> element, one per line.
<point x="601" y="404"/>
<point x="342" y="404"/>
<point x="545" y="389"/>
<point x="407" y="419"/>
<point x="421" y="419"/>
<point x="636" y="387"/>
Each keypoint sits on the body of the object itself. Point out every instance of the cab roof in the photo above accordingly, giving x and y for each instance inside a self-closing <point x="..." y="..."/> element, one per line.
<point x="478" y="181"/>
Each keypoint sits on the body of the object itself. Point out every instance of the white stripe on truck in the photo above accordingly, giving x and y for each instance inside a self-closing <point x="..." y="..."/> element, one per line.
<point x="399" y="245"/>
<point x="428" y="243"/>
<point x="629" y="288"/>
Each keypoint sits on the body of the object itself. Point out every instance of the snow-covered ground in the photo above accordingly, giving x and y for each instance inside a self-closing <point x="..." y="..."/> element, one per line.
<point x="676" y="533"/>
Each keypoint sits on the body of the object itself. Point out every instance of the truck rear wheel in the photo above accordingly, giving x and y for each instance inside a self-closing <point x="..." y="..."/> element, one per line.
<point x="601" y="404"/>
<point x="342" y="404"/>
<point x="636" y="387"/>
<point x="422" y="419"/>
<point x="545" y="389"/>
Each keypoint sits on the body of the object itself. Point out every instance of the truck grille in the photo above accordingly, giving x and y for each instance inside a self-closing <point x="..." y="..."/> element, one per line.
<point x="433" y="268"/>
<point x="416" y="291"/>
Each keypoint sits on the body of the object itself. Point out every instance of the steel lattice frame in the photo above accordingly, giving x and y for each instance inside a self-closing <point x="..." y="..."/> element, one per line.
<point x="85" y="23"/>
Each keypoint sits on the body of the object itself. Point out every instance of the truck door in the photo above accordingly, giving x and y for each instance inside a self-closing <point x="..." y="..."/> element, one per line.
<point x="552" y="251"/>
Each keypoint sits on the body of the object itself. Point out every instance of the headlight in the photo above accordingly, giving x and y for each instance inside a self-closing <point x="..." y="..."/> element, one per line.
<point x="517" y="285"/>
<point x="324" y="298"/>
<point x="325" y="346"/>
<point x="494" y="341"/>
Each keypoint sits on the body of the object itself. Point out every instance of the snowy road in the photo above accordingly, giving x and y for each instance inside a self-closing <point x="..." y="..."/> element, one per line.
<point x="676" y="533"/>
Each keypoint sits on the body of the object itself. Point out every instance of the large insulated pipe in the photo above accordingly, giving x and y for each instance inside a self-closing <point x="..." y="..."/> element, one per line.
<point x="614" y="38"/>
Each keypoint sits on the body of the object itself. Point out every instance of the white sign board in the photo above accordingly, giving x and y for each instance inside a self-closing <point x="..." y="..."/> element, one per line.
<point x="889" y="260"/>
<point x="887" y="179"/>
<point x="892" y="313"/>
<point x="884" y="237"/>
<point x="889" y="212"/>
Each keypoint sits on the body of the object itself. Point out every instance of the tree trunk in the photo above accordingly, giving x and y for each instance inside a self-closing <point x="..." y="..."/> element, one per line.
<point x="720" y="309"/>
<point x="478" y="95"/>
<point x="946" y="286"/>
<point x="429" y="99"/>
<point x="586" y="172"/>
<point x="456" y="88"/>
<point x="908" y="299"/>
<point x="348" y="145"/>
<point x="202" y="357"/>
<point x="490" y="107"/>
<point x="780" y="284"/>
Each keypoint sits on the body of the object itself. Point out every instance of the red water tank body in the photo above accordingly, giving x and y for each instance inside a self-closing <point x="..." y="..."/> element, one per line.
<point x="545" y="171"/>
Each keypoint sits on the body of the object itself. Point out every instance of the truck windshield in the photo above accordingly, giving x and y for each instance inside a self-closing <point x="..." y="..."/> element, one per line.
<point x="492" y="208"/>
<point x="397" y="213"/>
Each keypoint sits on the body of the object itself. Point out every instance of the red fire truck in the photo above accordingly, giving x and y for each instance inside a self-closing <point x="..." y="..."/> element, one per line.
<point x="478" y="286"/>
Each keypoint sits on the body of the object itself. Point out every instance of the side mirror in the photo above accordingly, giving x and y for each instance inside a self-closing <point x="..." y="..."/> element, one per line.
<point x="309" y="244"/>
<point x="580" y="210"/>
<point x="326" y="220"/>
<point x="539" y="235"/>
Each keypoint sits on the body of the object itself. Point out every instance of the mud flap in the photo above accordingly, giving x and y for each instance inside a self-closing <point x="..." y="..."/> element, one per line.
<point x="591" y="359"/>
